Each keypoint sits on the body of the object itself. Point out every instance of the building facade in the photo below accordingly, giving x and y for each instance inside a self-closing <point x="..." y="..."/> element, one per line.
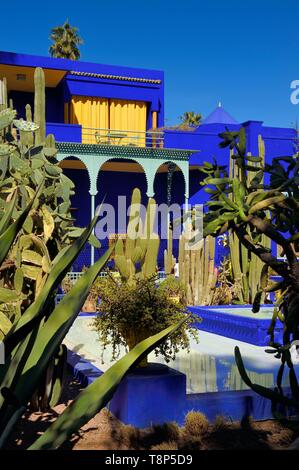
<point x="108" y="122"/>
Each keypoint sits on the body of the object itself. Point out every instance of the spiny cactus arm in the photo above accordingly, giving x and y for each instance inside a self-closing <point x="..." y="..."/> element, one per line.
<point x="280" y="267"/>
<point x="275" y="397"/>
<point x="267" y="228"/>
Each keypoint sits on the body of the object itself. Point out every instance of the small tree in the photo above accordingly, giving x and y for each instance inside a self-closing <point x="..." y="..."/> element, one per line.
<point x="252" y="208"/>
<point x="65" y="42"/>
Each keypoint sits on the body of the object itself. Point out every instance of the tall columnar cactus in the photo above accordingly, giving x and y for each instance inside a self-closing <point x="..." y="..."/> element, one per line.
<point x="40" y="105"/>
<point x="137" y="254"/>
<point x="246" y="267"/>
<point x="169" y="259"/>
<point x="197" y="269"/>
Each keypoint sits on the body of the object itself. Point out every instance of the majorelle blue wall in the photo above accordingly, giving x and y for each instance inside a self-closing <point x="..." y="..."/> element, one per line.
<point x="65" y="78"/>
<point x="205" y="140"/>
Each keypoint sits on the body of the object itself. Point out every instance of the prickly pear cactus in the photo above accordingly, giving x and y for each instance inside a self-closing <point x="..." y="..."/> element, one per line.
<point x="27" y="162"/>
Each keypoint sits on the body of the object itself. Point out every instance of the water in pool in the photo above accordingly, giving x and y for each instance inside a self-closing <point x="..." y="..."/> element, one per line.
<point x="209" y="366"/>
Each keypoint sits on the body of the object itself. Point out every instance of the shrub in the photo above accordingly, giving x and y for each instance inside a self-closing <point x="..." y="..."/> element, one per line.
<point x="132" y="311"/>
<point x="167" y="445"/>
<point x="196" y="423"/>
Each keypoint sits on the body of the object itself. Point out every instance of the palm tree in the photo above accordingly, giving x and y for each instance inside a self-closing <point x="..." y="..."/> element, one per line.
<point x="65" y="42"/>
<point x="189" y="118"/>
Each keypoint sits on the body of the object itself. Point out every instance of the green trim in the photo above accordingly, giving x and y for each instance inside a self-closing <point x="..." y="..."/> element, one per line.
<point x="119" y="151"/>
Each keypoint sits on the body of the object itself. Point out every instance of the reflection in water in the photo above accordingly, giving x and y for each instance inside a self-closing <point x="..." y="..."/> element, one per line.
<point x="209" y="366"/>
<point x="200" y="370"/>
<point x="234" y="381"/>
<point x="206" y="373"/>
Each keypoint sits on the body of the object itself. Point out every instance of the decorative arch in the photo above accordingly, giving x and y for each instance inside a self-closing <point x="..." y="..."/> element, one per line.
<point x="115" y="180"/>
<point x="175" y="166"/>
<point x="124" y="160"/>
<point x="61" y="158"/>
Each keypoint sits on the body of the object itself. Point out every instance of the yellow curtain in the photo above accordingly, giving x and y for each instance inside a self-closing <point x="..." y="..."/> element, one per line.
<point x="129" y="118"/>
<point x="125" y="121"/>
<point x="93" y="114"/>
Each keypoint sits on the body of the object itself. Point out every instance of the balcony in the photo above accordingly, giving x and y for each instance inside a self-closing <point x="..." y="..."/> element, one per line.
<point x="121" y="138"/>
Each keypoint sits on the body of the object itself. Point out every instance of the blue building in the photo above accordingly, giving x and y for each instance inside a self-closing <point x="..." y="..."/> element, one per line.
<point x="108" y="122"/>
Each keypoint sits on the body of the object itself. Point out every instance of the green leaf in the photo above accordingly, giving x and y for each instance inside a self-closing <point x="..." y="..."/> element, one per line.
<point x="94" y="241"/>
<point x="8" y="237"/>
<point x="6" y="149"/>
<point x="53" y="331"/>
<point x="218" y="181"/>
<point x="53" y="170"/>
<point x="98" y="394"/>
<point x="28" y="224"/>
<point x="5" y="220"/>
<point x="5" y="325"/>
<point x="61" y="265"/>
<point x="60" y="364"/>
<point x="8" y="295"/>
<point x="48" y="223"/>
<point x="31" y="256"/>
<point x="18" y="280"/>
<point x="31" y="272"/>
<point x="250" y="158"/>
<point x="6" y="117"/>
<point x="242" y="141"/>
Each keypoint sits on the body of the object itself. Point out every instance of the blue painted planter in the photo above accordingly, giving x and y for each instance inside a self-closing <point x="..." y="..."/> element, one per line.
<point x="238" y="322"/>
<point x="152" y="395"/>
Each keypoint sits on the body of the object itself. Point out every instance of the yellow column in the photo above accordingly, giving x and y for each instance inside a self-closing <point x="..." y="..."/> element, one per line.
<point x="66" y="113"/>
<point x="154" y="126"/>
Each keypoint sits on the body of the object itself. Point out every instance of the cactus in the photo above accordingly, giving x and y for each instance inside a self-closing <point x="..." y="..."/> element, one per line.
<point x="197" y="270"/>
<point x="246" y="267"/>
<point x="136" y="256"/>
<point x="40" y="105"/>
<point x="169" y="259"/>
<point x="28" y="163"/>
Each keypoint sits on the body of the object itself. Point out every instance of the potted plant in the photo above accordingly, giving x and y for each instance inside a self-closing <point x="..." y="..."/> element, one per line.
<point x="130" y="312"/>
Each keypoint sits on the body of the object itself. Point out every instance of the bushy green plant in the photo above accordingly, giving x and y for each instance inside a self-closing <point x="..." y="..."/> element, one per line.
<point x="131" y="311"/>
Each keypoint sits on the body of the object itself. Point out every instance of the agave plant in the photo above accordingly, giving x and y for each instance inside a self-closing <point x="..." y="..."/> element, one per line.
<point x="252" y="208"/>
<point x="33" y="340"/>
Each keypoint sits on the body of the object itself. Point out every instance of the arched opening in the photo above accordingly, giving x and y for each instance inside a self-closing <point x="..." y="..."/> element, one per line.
<point x="169" y="188"/>
<point x="75" y="169"/>
<point x="116" y="180"/>
<point x="169" y="184"/>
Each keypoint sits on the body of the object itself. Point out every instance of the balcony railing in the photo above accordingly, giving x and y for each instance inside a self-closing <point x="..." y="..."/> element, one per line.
<point x="154" y="139"/>
<point x="85" y="135"/>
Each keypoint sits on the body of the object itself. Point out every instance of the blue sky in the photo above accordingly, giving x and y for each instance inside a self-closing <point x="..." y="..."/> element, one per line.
<point x="242" y="53"/>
